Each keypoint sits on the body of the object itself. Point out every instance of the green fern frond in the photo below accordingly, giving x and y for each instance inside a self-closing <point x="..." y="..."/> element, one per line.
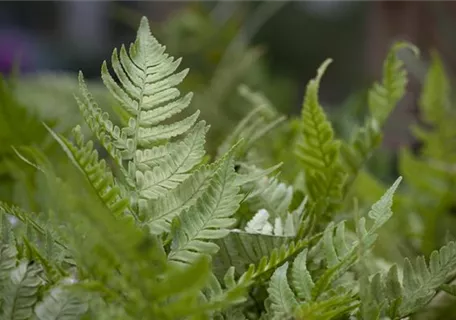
<point x="277" y="257"/>
<point x="382" y="98"/>
<point x="8" y="254"/>
<point x="434" y="100"/>
<point x="385" y="95"/>
<point x="438" y="133"/>
<point x="147" y="92"/>
<point x="420" y="282"/>
<point x="163" y="210"/>
<point x="209" y="218"/>
<point x="282" y="298"/>
<point x="173" y="168"/>
<point x="319" y="151"/>
<point x="60" y="304"/>
<point x="21" y="292"/>
<point x="319" y="294"/>
<point x="85" y="158"/>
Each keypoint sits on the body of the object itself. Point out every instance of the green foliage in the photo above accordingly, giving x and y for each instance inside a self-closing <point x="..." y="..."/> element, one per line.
<point x="158" y="230"/>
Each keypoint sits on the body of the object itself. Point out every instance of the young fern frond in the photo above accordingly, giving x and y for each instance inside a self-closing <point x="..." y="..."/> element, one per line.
<point x="382" y="98"/>
<point x="318" y="150"/>
<point x="438" y="132"/>
<point x="385" y="95"/>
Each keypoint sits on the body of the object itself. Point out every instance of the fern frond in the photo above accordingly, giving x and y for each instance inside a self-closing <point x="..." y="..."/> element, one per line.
<point x="60" y="304"/>
<point x="146" y="90"/>
<point x="21" y="291"/>
<point x="8" y="254"/>
<point x="163" y="210"/>
<point x="438" y="133"/>
<point x="85" y="158"/>
<point x="173" y="168"/>
<point x="421" y="281"/>
<point x="283" y="300"/>
<point x="209" y="218"/>
<point x="384" y="96"/>
<point x="301" y="278"/>
<point x="434" y="100"/>
<point x="318" y="150"/>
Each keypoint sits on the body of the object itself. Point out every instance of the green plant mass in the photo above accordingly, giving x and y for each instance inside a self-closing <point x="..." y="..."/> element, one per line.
<point x="126" y="216"/>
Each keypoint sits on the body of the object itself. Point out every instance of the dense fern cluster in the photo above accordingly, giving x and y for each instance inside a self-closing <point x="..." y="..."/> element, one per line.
<point x="160" y="230"/>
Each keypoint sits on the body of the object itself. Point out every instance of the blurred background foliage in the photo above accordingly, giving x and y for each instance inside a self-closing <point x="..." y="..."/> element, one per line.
<point x="249" y="64"/>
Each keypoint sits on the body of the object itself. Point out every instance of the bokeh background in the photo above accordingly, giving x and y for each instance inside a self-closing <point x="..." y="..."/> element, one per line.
<point x="273" y="47"/>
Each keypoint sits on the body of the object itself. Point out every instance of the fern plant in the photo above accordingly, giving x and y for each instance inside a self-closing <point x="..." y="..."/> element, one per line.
<point x="162" y="232"/>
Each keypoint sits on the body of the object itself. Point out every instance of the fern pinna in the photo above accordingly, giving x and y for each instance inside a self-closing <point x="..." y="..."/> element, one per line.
<point x="159" y="232"/>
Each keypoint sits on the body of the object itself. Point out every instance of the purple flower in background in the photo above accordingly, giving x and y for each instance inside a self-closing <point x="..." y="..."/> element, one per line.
<point x="16" y="47"/>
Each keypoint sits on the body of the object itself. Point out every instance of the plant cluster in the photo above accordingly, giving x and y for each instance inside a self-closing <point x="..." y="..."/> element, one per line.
<point x="158" y="229"/>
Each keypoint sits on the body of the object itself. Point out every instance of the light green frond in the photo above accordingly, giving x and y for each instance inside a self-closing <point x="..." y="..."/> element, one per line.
<point x="60" y="304"/>
<point x="437" y="132"/>
<point x="241" y="249"/>
<point x="8" y="255"/>
<point x="340" y="255"/>
<point x="21" y="292"/>
<point x="111" y="137"/>
<point x="384" y="96"/>
<point x="85" y="158"/>
<point x="332" y="308"/>
<point x="318" y="150"/>
<point x="277" y="257"/>
<point x="162" y="211"/>
<point x="434" y="100"/>
<point x="420" y="281"/>
<point x="185" y="153"/>
<point x="173" y="167"/>
<point x="152" y="165"/>
<point x="209" y="218"/>
<point x="147" y="88"/>
<point x="301" y="278"/>
<point x="283" y="300"/>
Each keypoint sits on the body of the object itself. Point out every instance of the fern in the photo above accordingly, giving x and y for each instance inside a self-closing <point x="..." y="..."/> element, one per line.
<point x="60" y="304"/>
<point x="319" y="151"/>
<point x="146" y="90"/>
<point x="324" y="298"/>
<point x="382" y="98"/>
<point x="420" y="281"/>
<point x="210" y="218"/>
<point x="21" y="292"/>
